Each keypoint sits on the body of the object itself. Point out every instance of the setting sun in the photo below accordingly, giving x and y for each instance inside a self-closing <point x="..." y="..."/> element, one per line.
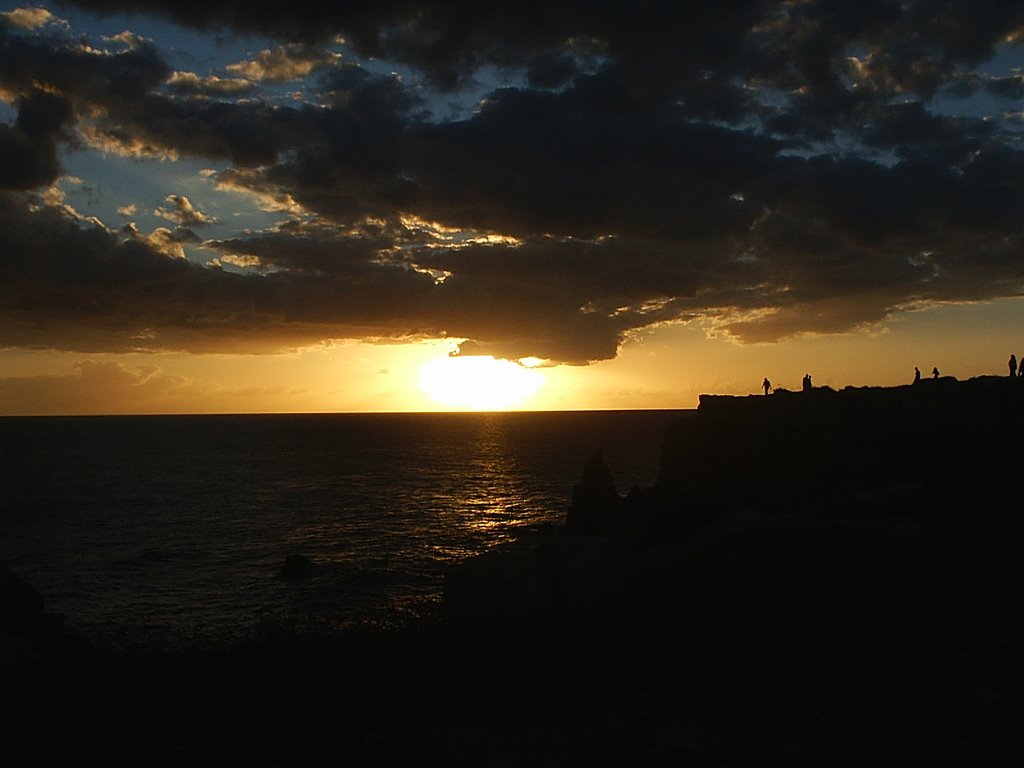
<point x="479" y="383"/>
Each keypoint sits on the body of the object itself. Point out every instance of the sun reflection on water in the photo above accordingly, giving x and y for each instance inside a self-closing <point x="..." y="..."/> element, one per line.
<point x="487" y="501"/>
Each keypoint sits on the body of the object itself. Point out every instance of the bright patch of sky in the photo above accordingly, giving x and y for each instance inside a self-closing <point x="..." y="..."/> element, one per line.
<point x="1008" y="61"/>
<point x="119" y="190"/>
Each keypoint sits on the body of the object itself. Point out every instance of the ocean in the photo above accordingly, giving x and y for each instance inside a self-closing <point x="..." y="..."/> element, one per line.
<point x="151" y="532"/>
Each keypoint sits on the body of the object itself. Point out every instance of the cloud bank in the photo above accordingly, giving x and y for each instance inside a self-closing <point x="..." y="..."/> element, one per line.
<point x="769" y="169"/>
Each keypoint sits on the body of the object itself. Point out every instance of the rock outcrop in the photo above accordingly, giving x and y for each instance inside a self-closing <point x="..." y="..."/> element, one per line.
<point x="915" y="449"/>
<point x="775" y="518"/>
<point x="938" y="447"/>
<point x="596" y="506"/>
<point x="27" y="632"/>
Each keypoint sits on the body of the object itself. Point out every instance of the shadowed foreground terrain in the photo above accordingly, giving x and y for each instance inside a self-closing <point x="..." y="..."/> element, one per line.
<point x="819" y="578"/>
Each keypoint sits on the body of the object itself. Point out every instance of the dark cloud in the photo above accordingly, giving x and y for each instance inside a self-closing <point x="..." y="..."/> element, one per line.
<point x="662" y="42"/>
<point x="28" y="150"/>
<point x="582" y="163"/>
<point x="551" y="71"/>
<point x="246" y="134"/>
<point x="912" y="132"/>
<point x="772" y="168"/>
<point x="74" y="69"/>
<point x="74" y="287"/>
<point x="1007" y="87"/>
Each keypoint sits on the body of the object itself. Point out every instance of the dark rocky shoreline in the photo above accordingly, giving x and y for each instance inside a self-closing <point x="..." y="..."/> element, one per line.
<point x="816" y="578"/>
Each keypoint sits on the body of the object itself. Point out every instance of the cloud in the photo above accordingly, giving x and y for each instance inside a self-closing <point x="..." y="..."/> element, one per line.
<point x="183" y="213"/>
<point x="84" y="288"/>
<point x="767" y="169"/>
<point x="80" y="72"/>
<point x="31" y="18"/>
<point x="162" y="240"/>
<point x="583" y="163"/>
<point x="191" y="84"/>
<point x="28" y="150"/>
<point x="283" y="64"/>
<point x="91" y="387"/>
<point x="659" y="46"/>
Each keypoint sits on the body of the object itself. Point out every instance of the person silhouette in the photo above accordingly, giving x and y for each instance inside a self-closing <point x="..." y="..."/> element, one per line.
<point x="935" y="373"/>
<point x="807" y="382"/>
<point x="766" y="385"/>
<point x="1013" y="366"/>
<point x="917" y="374"/>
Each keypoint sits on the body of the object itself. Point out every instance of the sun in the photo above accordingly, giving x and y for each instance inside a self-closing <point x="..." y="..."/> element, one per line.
<point x="479" y="383"/>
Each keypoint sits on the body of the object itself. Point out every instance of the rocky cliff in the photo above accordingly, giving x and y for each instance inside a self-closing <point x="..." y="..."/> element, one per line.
<point x="878" y="517"/>
<point x="938" y="447"/>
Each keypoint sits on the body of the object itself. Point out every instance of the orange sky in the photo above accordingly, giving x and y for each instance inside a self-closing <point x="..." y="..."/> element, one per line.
<point x="667" y="367"/>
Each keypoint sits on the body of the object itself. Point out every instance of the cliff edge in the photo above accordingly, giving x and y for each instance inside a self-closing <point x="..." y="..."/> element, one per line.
<point x="938" y="447"/>
<point x="881" y="517"/>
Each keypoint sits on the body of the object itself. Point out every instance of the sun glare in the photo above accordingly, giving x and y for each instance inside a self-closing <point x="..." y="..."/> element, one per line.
<point x="479" y="383"/>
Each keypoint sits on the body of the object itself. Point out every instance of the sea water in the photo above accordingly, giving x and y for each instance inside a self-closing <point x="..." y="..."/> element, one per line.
<point x="154" y="531"/>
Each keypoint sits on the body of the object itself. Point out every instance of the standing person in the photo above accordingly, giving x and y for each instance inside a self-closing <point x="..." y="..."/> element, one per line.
<point x="917" y="374"/>
<point x="766" y="385"/>
<point x="935" y="372"/>
<point x="1013" y="366"/>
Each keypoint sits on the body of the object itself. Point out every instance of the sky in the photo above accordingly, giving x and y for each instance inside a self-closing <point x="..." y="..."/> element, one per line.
<point x="391" y="206"/>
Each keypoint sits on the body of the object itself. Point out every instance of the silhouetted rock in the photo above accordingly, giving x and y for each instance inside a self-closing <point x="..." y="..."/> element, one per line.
<point x="905" y="450"/>
<point x="19" y="599"/>
<point x="596" y="506"/>
<point x="296" y="567"/>
<point x="540" y="592"/>
<point x="863" y="519"/>
<point x="27" y="631"/>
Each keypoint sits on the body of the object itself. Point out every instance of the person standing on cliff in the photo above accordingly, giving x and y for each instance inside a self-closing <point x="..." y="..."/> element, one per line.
<point x="766" y="385"/>
<point x="917" y="374"/>
<point x="935" y="372"/>
<point x="1013" y="366"/>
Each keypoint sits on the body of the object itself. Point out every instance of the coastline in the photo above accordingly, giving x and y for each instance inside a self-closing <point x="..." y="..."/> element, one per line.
<point x="884" y="623"/>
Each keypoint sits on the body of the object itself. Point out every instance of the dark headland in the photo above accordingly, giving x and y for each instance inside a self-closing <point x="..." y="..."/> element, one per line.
<point x="816" y="578"/>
